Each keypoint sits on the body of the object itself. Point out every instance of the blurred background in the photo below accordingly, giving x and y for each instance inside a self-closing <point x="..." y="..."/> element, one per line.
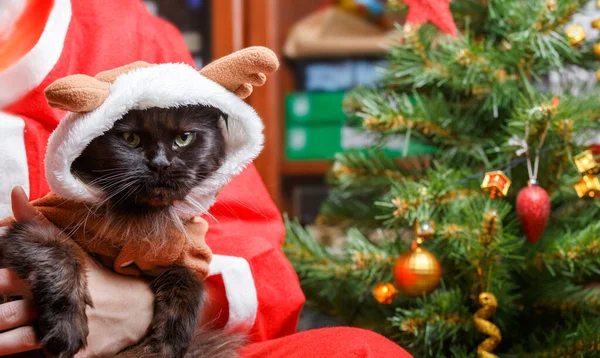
<point x="327" y="47"/>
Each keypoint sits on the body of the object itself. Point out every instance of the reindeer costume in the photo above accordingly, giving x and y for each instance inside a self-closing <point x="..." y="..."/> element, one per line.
<point x="96" y="103"/>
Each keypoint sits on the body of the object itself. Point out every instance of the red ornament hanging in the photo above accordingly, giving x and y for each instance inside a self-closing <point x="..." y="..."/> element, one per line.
<point x="435" y="11"/>
<point x="533" y="202"/>
<point x="533" y="210"/>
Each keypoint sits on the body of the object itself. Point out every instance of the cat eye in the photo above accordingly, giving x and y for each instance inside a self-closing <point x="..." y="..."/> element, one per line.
<point x="184" y="139"/>
<point x="132" y="139"/>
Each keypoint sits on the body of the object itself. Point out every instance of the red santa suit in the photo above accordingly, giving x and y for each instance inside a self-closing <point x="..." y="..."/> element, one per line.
<point x="252" y="285"/>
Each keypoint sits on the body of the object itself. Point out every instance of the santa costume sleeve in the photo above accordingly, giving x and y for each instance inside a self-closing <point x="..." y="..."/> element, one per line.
<point x="253" y="286"/>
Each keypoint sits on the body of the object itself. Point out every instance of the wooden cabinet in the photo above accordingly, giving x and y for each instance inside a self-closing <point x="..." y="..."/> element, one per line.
<point x="242" y="23"/>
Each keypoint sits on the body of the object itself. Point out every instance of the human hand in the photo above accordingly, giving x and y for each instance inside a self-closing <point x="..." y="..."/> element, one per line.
<point x="123" y="310"/>
<point x="123" y="305"/>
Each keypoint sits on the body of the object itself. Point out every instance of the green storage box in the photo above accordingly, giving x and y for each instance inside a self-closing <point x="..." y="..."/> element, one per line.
<point x="306" y="142"/>
<point x="315" y="107"/>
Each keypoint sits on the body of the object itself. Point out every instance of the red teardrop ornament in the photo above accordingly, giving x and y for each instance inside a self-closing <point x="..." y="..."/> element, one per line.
<point x="533" y="210"/>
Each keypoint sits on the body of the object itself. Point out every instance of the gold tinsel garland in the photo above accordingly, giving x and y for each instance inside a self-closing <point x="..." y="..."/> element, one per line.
<point x="396" y="122"/>
<point x="340" y="170"/>
<point x="402" y="205"/>
<point x="568" y="304"/>
<point x="489" y="227"/>
<point x="410" y="34"/>
<point x="411" y="325"/>
<point x="574" y="252"/>
<point x="480" y="318"/>
<point x="361" y="259"/>
<point x="570" y="351"/>
<point x="450" y="231"/>
<point x="564" y="129"/>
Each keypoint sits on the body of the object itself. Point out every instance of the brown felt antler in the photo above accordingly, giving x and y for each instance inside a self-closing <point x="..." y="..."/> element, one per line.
<point x="111" y="75"/>
<point x="77" y="93"/>
<point x="237" y="72"/>
<point x="82" y="93"/>
<point x="243" y="69"/>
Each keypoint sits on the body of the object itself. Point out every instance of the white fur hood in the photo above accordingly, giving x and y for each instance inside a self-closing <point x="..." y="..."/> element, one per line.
<point x="164" y="86"/>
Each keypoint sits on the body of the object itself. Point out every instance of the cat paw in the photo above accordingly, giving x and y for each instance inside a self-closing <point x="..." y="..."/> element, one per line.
<point x="63" y="339"/>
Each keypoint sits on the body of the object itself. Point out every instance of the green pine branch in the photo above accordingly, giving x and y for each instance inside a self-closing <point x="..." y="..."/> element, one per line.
<point x="435" y="324"/>
<point x="573" y="255"/>
<point x="473" y="98"/>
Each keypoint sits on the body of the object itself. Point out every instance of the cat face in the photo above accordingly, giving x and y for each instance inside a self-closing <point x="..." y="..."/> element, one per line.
<point x="153" y="157"/>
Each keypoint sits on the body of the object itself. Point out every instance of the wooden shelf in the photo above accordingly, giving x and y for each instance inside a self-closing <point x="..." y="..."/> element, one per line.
<point x="306" y="167"/>
<point x="243" y="23"/>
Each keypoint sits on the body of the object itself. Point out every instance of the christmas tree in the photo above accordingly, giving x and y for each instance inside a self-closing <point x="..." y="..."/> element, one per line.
<point x="490" y="244"/>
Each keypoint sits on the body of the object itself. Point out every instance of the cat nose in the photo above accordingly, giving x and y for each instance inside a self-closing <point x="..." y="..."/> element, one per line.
<point x="159" y="163"/>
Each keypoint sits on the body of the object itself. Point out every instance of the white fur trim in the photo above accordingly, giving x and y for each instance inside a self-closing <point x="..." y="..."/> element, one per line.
<point x="29" y="71"/>
<point x="13" y="160"/>
<point x="165" y="85"/>
<point x="239" y="290"/>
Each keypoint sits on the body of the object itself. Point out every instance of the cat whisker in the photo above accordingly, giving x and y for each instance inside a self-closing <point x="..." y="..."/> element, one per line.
<point x="109" y="178"/>
<point x="128" y="194"/>
<point x="115" y="186"/>
<point x="115" y="190"/>
<point x="110" y="185"/>
<point x="199" y="207"/>
<point x="115" y="178"/>
<point x="110" y="170"/>
<point x="111" y="194"/>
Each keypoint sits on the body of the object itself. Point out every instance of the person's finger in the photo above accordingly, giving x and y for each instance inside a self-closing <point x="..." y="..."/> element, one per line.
<point x="22" y="209"/>
<point x="22" y="339"/>
<point x="16" y="314"/>
<point x="11" y="284"/>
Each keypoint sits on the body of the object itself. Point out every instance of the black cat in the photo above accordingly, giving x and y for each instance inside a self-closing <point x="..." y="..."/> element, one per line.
<point x="149" y="160"/>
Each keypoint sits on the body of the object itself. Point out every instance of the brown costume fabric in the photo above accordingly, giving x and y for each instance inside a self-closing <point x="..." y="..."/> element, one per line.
<point x="88" y="229"/>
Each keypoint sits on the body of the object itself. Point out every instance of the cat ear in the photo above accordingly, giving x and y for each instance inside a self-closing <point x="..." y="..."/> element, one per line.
<point x="77" y="93"/>
<point x="111" y="75"/>
<point x="243" y="69"/>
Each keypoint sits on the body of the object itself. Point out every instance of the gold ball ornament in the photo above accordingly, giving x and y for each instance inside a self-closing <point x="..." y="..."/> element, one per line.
<point x="417" y="272"/>
<point x="598" y="74"/>
<point x="576" y="34"/>
<point x="596" y="49"/>
<point x="385" y="293"/>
